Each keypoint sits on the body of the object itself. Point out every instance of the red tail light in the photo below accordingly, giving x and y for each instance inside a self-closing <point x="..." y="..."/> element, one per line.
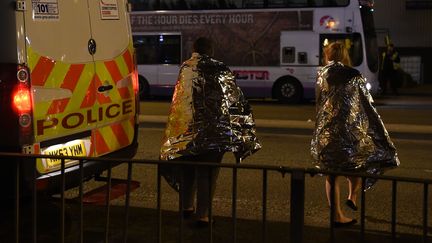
<point x="21" y="99"/>
<point x="135" y="84"/>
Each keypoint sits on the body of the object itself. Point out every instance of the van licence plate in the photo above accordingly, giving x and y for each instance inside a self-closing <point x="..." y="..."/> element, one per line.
<point x="73" y="148"/>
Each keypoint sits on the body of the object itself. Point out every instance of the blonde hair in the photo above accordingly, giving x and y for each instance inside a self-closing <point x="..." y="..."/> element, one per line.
<point x="337" y="52"/>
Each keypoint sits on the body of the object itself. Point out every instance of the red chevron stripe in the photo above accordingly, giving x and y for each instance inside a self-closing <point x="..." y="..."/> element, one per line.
<point x="101" y="146"/>
<point x="120" y="134"/>
<point x="41" y="71"/>
<point x="90" y="99"/>
<point x="124" y="92"/>
<point x="92" y="146"/>
<point x="71" y="79"/>
<point x="58" y="106"/>
<point x="113" y="70"/>
<point x="128" y="59"/>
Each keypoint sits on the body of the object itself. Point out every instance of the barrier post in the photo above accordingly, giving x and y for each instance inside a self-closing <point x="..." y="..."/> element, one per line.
<point x="297" y="205"/>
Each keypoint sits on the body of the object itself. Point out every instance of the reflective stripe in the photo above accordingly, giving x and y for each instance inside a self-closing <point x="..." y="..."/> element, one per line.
<point x="67" y="101"/>
<point x="129" y="62"/>
<point x="120" y="134"/>
<point x="113" y="70"/>
<point x="72" y="76"/>
<point x="58" y="106"/>
<point x="41" y="71"/>
<point x="100" y="144"/>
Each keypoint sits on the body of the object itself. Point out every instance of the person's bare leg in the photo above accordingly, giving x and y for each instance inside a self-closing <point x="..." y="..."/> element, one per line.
<point x="339" y="215"/>
<point x="354" y="188"/>
<point x="189" y="188"/>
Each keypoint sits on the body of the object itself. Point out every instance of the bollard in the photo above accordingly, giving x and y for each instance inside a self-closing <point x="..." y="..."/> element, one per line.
<point x="297" y="205"/>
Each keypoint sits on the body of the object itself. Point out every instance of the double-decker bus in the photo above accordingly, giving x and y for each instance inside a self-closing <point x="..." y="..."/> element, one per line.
<point x="274" y="47"/>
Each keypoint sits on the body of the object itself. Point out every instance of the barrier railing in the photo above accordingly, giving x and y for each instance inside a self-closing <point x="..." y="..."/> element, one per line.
<point x="297" y="199"/>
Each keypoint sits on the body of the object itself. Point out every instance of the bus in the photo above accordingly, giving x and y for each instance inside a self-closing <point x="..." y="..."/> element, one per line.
<point x="274" y="47"/>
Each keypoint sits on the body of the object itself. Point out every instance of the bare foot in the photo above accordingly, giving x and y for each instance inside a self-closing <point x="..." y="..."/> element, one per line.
<point x="342" y="219"/>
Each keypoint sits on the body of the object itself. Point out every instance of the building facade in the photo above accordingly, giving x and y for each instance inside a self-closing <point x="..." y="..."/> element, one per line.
<point x="409" y="26"/>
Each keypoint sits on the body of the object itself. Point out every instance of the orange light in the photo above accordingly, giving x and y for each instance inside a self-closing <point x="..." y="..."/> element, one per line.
<point x="135" y="84"/>
<point x="331" y="23"/>
<point x="21" y="99"/>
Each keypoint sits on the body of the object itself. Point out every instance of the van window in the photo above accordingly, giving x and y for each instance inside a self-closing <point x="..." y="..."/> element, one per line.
<point x="158" y="49"/>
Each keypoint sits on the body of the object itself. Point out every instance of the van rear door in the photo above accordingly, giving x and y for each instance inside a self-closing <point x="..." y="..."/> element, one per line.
<point x="62" y="72"/>
<point x="113" y="81"/>
<point x="80" y="57"/>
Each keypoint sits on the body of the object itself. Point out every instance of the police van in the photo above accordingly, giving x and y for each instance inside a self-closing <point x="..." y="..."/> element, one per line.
<point x="68" y="87"/>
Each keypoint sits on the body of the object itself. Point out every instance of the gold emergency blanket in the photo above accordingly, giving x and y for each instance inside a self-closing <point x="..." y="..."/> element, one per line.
<point x="208" y="113"/>
<point x="349" y="134"/>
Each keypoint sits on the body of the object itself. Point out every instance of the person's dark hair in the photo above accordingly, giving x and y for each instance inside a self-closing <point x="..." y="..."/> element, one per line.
<point x="203" y="46"/>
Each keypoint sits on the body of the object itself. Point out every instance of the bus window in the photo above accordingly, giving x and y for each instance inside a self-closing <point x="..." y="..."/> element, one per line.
<point x="140" y="5"/>
<point x="158" y="49"/>
<point x="288" y="54"/>
<point x="302" y="58"/>
<point x="352" y="41"/>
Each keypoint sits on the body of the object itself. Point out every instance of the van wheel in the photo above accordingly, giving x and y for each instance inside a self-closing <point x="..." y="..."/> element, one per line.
<point x="144" y="88"/>
<point x="288" y="91"/>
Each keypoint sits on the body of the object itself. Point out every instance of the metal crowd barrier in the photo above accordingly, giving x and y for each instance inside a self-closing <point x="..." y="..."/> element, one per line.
<point x="297" y="198"/>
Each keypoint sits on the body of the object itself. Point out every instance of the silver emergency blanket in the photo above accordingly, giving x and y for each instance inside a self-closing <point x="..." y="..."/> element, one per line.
<point x="208" y="113"/>
<point x="349" y="133"/>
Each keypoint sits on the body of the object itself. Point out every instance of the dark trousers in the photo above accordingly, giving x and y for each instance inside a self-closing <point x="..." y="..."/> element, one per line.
<point x="200" y="180"/>
<point x="389" y="78"/>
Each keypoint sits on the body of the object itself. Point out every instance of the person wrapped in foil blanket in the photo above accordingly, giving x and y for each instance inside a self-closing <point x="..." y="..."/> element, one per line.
<point x="349" y="133"/>
<point x="208" y="114"/>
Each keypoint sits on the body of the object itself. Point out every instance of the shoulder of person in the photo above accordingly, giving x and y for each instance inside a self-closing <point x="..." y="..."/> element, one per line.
<point x="340" y="70"/>
<point x="210" y="61"/>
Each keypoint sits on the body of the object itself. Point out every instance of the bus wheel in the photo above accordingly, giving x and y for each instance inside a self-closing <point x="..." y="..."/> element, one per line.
<point x="144" y="87"/>
<point x="288" y="91"/>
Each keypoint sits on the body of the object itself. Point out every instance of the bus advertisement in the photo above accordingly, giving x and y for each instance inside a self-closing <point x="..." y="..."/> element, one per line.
<point x="275" y="52"/>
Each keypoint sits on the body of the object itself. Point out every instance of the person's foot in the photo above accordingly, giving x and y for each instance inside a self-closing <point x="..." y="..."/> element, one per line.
<point x="344" y="224"/>
<point x="203" y="223"/>
<point x="187" y="213"/>
<point x="351" y="204"/>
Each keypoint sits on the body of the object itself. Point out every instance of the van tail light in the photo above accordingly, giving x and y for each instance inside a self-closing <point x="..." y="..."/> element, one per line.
<point x="135" y="84"/>
<point x="135" y="81"/>
<point x="22" y="104"/>
<point x="16" y="106"/>
<point x="21" y="99"/>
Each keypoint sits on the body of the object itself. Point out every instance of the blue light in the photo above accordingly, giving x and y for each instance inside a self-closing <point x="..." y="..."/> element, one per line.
<point x="161" y="39"/>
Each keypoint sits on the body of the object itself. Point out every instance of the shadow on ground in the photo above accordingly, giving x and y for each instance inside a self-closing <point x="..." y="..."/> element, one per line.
<point x="142" y="227"/>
